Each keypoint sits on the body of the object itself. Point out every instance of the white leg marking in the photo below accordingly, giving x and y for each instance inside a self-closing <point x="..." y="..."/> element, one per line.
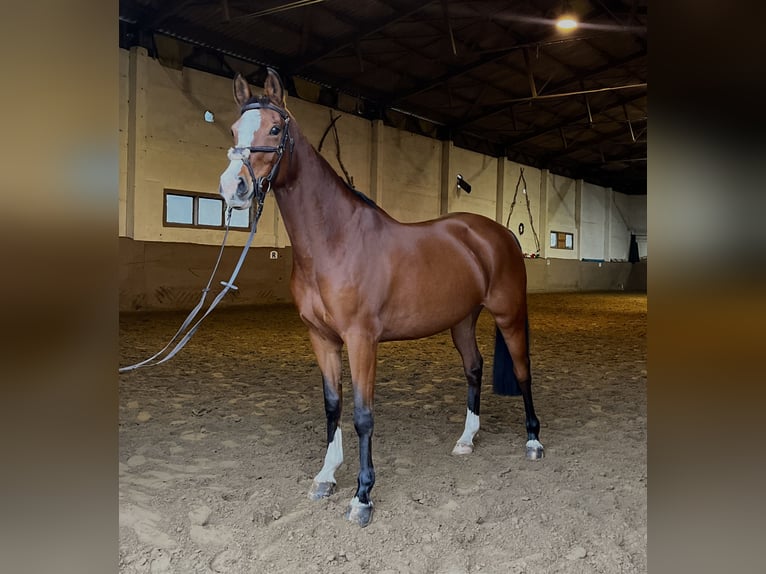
<point x="465" y="442"/>
<point x="356" y="504"/>
<point x="332" y="460"/>
<point x="534" y="444"/>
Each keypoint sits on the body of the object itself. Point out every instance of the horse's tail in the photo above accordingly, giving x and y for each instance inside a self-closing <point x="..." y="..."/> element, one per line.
<point x="504" y="380"/>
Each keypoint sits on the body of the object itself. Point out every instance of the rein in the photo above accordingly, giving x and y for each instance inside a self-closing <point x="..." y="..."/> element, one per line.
<point x="157" y="358"/>
<point x="185" y="332"/>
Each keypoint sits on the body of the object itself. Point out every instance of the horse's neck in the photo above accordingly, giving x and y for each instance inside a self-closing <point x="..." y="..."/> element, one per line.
<point x="315" y="204"/>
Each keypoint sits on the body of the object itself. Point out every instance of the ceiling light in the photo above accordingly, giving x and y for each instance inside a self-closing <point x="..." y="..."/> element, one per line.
<point x="566" y="22"/>
<point x="567" y="19"/>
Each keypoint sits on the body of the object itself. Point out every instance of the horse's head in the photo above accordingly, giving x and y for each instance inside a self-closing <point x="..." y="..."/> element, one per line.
<point x="261" y="135"/>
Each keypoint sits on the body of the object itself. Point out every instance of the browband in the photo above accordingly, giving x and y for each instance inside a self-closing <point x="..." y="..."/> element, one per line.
<point x="258" y="105"/>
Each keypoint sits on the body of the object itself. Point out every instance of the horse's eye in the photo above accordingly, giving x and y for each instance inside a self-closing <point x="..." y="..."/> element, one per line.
<point x="274" y="131"/>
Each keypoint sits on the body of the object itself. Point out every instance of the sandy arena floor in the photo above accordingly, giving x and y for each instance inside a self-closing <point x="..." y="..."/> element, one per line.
<point x="218" y="448"/>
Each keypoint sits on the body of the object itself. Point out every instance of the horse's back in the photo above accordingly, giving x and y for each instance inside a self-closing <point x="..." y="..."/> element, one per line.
<point x="494" y="246"/>
<point x="443" y="269"/>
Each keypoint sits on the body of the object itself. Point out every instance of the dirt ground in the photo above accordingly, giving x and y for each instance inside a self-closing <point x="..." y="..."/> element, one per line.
<point x="218" y="448"/>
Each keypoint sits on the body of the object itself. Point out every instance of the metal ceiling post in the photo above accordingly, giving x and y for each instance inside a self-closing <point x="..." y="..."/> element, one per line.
<point x="630" y="125"/>
<point x="530" y="76"/>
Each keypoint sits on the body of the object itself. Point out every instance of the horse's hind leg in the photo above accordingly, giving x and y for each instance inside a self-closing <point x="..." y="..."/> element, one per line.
<point x="515" y="333"/>
<point x="328" y="355"/>
<point x="464" y="338"/>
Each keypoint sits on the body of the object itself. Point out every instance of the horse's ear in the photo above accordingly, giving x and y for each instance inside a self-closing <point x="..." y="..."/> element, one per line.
<point x="275" y="91"/>
<point x="241" y="90"/>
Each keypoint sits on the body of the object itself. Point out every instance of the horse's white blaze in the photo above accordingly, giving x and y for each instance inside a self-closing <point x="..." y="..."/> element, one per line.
<point x="471" y="428"/>
<point x="231" y="172"/>
<point x="249" y="123"/>
<point x="333" y="459"/>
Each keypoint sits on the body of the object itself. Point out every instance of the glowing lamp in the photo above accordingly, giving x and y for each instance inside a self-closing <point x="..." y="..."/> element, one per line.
<point x="566" y="23"/>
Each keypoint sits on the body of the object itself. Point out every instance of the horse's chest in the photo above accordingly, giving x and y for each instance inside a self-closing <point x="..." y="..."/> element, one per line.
<point x="311" y="306"/>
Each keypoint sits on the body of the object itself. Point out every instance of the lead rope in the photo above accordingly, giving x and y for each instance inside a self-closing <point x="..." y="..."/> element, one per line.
<point x="228" y="285"/>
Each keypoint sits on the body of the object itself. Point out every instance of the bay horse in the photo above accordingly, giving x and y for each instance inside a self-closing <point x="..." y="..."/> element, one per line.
<point x="360" y="277"/>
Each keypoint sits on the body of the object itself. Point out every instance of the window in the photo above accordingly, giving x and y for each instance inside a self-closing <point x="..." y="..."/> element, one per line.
<point x="562" y="240"/>
<point x="187" y="209"/>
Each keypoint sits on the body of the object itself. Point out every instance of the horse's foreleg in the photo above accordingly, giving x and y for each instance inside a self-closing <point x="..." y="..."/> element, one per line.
<point x="517" y="339"/>
<point x="328" y="355"/>
<point x="464" y="338"/>
<point x="362" y="353"/>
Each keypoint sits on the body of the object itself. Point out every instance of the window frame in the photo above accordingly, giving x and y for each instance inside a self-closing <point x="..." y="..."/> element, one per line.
<point x="561" y="240"/>
<point x="196" y="196"/>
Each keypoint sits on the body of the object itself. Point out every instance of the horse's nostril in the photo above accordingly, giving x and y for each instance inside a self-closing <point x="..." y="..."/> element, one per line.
<point x="241" y="187"/>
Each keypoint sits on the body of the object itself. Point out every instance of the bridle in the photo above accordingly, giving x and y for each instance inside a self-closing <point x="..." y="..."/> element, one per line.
<point x="262" y="185"/>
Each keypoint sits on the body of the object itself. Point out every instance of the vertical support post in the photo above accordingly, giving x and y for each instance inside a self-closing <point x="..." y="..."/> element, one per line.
<point x="608" y="224"/>
<point x="447" y="184"/>
<point x="136" y="152"/>
<point x="578" y="218"/>
<point x="376" y="150"/>
<point x="544" y="231"/>
<point x="500" y="192"/>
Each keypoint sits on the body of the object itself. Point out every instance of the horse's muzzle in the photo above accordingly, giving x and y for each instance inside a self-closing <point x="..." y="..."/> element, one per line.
<point x="241" y="198"/>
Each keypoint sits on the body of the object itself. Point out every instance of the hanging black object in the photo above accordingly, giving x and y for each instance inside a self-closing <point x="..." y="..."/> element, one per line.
<point x="463" y="184"/>
<point x="633" y="250"/>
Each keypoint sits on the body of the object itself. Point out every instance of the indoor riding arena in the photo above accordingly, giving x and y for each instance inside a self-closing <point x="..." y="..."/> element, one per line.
<point x="423" y="110"/>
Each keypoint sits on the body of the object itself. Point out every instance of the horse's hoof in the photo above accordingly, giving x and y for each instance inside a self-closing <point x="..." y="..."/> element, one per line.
<point x="462" y="448"/>
<point x="359" y="513"/>
<point x="321" y="490"/>
<point x="535" y="450"/>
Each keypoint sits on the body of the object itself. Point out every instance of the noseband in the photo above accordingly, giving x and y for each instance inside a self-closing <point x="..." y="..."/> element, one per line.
<point x="262" y="185"/>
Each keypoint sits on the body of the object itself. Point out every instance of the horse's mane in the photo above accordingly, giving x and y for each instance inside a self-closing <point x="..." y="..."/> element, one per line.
<point x="263" y="99"/>
<point x="368" y="200"/>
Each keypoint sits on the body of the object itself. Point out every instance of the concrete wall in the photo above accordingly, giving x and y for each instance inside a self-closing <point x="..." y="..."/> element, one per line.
<point x="171" y="276"/>
<point x="410" y="175"/>
<point x="166" y="144"/>
<point x="561" y="214"/>
<point x="592" y="230"/>
<point x="481" y="172"/>
<point x="572" y="275"/>
<point x="163" y="275"/>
